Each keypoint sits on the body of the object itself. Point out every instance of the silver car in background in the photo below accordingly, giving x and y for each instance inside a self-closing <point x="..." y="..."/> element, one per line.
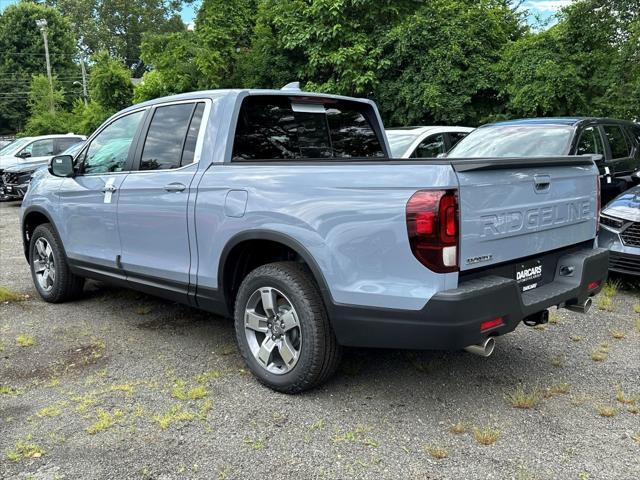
<point x="424" y="142"/>
<point x="620" y="232"/>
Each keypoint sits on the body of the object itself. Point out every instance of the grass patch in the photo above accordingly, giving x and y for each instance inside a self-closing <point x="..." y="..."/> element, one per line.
<point x="438" y="453"/>
<point x="541" y="326"/>
<point x="84" y="401"/>
<point x="638" y="324"/>
<point x="318" y="425"/>
<point x="635" y="409"/>
<point x="204" y="409"/>
<point x="604" y="303"/>
<point x="24" y="340"/>
<point x="636" y="308"/>
<point x="607" y="411"/>
<point x="521" y="398"/>
<point x="255" y="444"/>
<point x="105" y="421"/>
<point x="25" y="449"/>
<point x="7" y="296"/>
<point x="554" y="318"/>
<point x="345" y="437"/>
<point x="123" y="387"/>
<point x="180" y="391"/>
<point x="557" y="361"/>
<point x="576" y="338"/>
<point x="601" y="353"/>
<point x="6" y="390"/>
<point x="618" y="334"/>
<point x="143" y="310"/>
<point x="176" y="414"/>
<point x="458" y="428"/>
<point x="207" y="376"/>
<point x="559" y="389"/>
<point x="623" y="398"/>
<point x="611" y="288"/>
<point x="52" y="410"/>
<point x="487" y="435"/>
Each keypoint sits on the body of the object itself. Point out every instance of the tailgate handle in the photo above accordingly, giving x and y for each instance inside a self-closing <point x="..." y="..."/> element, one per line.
<point x="543" y="182"/>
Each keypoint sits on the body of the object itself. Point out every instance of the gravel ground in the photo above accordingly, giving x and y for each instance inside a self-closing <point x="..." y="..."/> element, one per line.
<point x="124" y="385"/>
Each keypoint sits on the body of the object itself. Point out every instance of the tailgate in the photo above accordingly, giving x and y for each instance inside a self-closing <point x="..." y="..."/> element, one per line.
<point x="515" y="208"/>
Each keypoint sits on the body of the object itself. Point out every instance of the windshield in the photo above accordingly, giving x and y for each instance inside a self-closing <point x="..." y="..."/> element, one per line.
<point x="73" y="149"/>
<point x="514" y="141"/>
<point x="399" y="142"/>
<point x="14" y="146"/>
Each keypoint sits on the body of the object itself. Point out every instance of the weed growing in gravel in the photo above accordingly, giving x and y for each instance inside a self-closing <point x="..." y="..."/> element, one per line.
<point x="176" y="414"/>
<point x="618" y="334"/>
<point x="622" y="397"/>
<point x="228" y="349"/>
<point x="52" y="410"/>
<point x="371" y="443"/>
<point x="180" y="392"/>
<point x="554" y="318"/>
<point x="207" y="376"/>
<point x="558" y="389"/>
<point x="486" y="436"/>
<point x="638" y="324"/>
<point x="25" y="449"/>
<point x="636" y="308"/>
<point x="557" y="361"/>
<point x="458" y="428"/>
<point x="438" y="453"/>
<point x="255" y="444"/>
<point x="6" y="390"/>
<point x="575" y="338"/>
<point x="123" y="387"/>
<point x="610" y="288"/>
<point x="204" y="409"/>
<point x="636" y="438"/>
<point x="7" y="296"/>
<point x="607" y="411"/>
<point x="318" y="425"/>
<point x="635" y="409"/>
<point x="348" y="436"/>
<point x="601" y="353"/>
<point x="604" y="303"/>
<point x="84" y="401"/>
<point x="541" y="326"/>
<point x="24" y="340"/>
<point x="143" y="310"/>
<point x="105" y="421"/>
<point x="521" y="398"/>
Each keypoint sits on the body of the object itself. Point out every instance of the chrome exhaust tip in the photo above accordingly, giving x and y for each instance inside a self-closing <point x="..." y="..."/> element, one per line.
<point x="483" y="349"/>
<point x="581" y="307"/>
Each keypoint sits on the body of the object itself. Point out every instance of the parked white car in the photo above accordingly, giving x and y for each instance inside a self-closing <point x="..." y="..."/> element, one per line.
<point x="424" y="142"/>
<point x="36" y="149"/>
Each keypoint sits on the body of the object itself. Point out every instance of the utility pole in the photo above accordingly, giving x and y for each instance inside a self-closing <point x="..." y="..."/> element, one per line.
<point x="84" y="80"/>
<point x="42" y="25"/>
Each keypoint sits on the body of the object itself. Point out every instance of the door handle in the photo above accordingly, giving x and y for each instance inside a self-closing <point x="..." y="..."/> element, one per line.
<point x="174" y="187"/>
<point x="109" y="188"/>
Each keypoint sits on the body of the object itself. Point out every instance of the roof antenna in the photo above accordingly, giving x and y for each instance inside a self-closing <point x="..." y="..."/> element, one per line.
<point x="294" y="86"/>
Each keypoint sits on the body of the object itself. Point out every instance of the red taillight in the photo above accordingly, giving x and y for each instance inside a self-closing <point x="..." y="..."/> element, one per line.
<point x="489" y="324"/>
<point x="432" y="224"/>
<point x="598" y="187"/>
<point x="593" y="285"/>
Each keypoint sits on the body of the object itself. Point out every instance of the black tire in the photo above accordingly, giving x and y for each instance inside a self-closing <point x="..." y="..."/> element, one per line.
<point x="66" y="286"/>
<point x="319" y="354"/>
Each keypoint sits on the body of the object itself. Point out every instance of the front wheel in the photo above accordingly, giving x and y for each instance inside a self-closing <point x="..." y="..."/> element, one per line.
<point x="282" y="328"/>
<point x="49" y="269"/>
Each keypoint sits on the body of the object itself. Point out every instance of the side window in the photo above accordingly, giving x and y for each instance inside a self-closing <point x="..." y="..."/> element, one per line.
<point x="617" y="141"/>
<point x="430" y="147"/>
<point x="63" y="143"/>
<point x="590" y="142"/>
<point x="189" y="151"/>
<point x="166" y="137"/>
<point x="455" y="137"/>
<point x="40" y="148"/>
<point x="109" y="150"/>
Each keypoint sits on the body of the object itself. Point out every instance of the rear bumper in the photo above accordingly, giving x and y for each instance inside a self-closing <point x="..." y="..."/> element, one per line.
<point x="451" y="319"/>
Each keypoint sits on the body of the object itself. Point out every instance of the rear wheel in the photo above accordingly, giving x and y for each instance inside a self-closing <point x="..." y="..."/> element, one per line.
<point x="49" y="269"/>
<point x="282" y="328"/>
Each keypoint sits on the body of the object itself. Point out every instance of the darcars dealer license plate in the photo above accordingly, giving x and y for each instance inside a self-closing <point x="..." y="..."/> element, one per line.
<point x="528" y="274"/>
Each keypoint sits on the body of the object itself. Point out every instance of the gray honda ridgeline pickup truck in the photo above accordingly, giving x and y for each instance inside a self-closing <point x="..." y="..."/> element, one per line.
<point x="283" y="210"/>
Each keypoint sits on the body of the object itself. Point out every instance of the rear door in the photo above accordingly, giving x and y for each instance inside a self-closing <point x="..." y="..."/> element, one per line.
<point x="153" y="200"/>
<point x="516" y="208"/>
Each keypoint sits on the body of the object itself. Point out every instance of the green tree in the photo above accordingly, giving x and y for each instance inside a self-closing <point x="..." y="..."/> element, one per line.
<point x="47" y="115"/>
<point x="22" y="55"/>
<point x="438" y="62"/>
<point x="110" y="83"/>
<point x="119" y="25"/>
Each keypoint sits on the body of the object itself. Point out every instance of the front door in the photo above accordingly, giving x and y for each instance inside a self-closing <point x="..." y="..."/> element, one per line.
<point x="88" y="201"/>
<point x="153" y="200"/>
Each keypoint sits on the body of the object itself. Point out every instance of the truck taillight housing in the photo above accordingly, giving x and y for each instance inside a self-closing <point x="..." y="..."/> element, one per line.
<point x="432" y="224"/>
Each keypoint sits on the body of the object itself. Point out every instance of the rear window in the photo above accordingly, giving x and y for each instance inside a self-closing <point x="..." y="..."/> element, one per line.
<point x="617" y="141"/>
<point x="282" y="128"/>
<point x="514" y="141"/>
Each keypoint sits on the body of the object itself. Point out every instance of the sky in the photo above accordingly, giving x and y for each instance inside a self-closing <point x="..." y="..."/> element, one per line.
<point x="543" y="8"/>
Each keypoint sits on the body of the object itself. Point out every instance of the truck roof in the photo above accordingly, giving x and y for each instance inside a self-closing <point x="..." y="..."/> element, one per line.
<point x="569" y="121"/>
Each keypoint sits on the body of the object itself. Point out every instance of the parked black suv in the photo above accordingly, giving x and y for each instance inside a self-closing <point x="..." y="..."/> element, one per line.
<point x="618" y="142"/>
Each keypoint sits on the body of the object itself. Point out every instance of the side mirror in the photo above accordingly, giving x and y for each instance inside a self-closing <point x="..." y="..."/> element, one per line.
<point x="61" y="166"/>
<point x="23" y="155"/>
